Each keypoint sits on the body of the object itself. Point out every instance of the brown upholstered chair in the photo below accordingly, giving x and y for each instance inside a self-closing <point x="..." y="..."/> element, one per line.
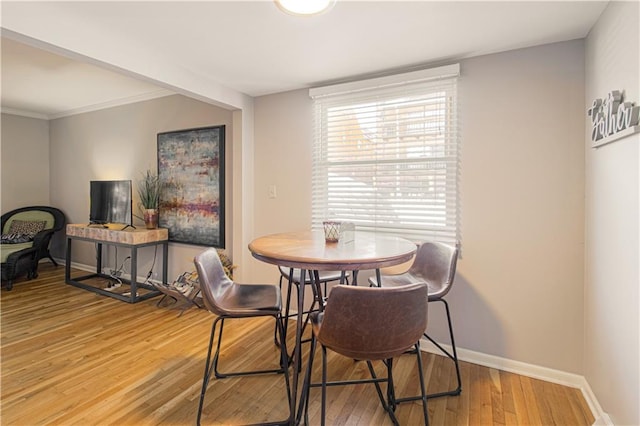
<point x="434" y="264"/>
<point x="228" y="299"/>
<point x="370" y="324"/>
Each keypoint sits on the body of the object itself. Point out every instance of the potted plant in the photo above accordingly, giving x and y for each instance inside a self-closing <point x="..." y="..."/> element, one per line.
<point x="149" y="188"/>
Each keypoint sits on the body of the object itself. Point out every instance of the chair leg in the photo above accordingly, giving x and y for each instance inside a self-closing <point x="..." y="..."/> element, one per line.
<point x="285" y="318"/>
<point x="275" y="330"/>
<point x="391" y="389"/>
<point x="32" y="273"/>
<point x="287" y="308"/>
<point x="306" y="387"/>
<point x="423" y="392"/>
<point x="208" y="367"/>
<point x="211" y="365"/>
<point x="388" y="404"/>
<point x="52" y="260"/>
<point x="324" y="385"/>
<point x="284" y="359"/>
<point x="453" y="356"/>
<point x="216" y="357"/>
<point x="389" y="407"/>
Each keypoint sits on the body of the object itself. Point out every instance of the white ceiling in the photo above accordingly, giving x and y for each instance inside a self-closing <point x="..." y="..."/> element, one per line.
<point x="254" y="48"/>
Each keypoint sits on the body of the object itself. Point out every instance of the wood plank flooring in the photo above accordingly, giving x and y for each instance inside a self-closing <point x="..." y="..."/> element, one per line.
<point x="71" y="357"/>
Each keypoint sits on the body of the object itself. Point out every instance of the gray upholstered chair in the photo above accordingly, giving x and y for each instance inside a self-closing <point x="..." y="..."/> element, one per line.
<point x="370" y="324"/>
<point x="26" y="234"/>
<point x="434" y="264"/>
<point x="228" y="299"/>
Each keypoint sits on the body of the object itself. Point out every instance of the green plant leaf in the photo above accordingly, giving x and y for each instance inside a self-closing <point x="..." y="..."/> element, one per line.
<point x="149" y="188"/>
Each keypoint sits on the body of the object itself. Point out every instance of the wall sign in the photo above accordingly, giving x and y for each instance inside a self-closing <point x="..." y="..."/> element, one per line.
<point x="612" y="119"/>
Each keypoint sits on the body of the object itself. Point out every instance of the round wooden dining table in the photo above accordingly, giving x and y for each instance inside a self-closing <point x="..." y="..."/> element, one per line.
<point x="308" y="251"/>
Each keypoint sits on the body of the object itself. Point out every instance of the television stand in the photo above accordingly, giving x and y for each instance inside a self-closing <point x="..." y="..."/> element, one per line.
<point x="132" y="239"/>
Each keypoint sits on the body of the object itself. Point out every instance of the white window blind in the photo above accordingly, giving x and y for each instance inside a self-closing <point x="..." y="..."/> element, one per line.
<point x="386" y="155"/>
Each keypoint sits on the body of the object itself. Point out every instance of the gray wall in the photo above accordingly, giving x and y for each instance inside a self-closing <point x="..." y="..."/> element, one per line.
<point x="120" y="143"/>
<point x="25" y="162"/>
<point x="519" y="289"/>
<point x="612" y="298"/>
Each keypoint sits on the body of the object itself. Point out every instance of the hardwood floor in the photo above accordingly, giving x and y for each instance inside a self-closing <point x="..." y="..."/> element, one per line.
<point x="73" y="357"/>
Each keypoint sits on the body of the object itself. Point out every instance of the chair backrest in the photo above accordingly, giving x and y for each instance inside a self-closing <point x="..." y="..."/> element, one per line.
<point x="53" y="217"/>
<point x="435" y="263"/>
<point x="214" y="282"/>
<point x="374" y="323"/>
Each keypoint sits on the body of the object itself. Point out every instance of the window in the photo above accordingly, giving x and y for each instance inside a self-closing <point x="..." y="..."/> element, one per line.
<point x="386" y="155"/>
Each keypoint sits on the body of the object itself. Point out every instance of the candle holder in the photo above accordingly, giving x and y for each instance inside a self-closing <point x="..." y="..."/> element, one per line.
<point x="331" y="230"/>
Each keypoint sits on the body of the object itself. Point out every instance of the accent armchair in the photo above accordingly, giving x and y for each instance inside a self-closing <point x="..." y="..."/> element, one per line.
<point x="26" y="234"/>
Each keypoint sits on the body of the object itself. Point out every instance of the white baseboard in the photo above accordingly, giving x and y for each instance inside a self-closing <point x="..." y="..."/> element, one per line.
<point x="602" y="418"/>
<point x="605" y="420"/>
<point x="92" y="269"/>
<point x="80" y="266"/>
<point x="529" y="370"/>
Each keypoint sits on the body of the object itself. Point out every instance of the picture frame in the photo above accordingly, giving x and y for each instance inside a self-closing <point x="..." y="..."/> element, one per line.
<point x="192" y="199"/>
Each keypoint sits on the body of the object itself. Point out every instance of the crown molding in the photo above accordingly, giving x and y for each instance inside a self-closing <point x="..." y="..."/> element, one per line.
<point x="110" y="104"/>
<point x="23" y="113"/>
<point x="90" y="108"/>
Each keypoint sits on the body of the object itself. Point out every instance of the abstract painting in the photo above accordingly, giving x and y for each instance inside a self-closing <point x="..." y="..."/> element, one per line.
<point x="191" y="169"/>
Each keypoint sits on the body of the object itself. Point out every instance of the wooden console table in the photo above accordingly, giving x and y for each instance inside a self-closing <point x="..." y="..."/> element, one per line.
<point x="130" y="238"/>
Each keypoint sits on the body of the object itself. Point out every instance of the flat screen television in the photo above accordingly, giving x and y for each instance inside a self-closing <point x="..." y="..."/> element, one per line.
<point x="111" y="202"/>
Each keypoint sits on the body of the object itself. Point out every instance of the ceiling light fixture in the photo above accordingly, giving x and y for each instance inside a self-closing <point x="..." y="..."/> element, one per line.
<point x="305" y="7"/>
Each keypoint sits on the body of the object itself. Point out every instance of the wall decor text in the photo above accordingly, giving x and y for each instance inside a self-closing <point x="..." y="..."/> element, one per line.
<point x="612" y="118"/>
